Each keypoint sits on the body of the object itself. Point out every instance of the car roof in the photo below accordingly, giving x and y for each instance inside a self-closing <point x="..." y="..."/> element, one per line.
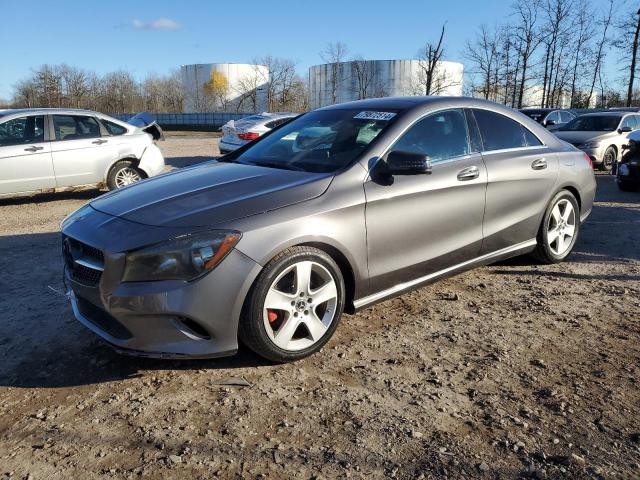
<point x="606" y="114"/>
<point x="18" y="111"/>
<point x="405" y="103"/>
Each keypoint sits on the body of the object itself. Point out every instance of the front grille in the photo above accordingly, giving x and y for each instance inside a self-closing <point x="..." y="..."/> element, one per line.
<point x="102" y="319"/>
<point x="85" y="263"/>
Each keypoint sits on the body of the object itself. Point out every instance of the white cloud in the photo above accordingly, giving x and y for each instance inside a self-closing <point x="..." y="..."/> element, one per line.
<point x="159" y="24"/>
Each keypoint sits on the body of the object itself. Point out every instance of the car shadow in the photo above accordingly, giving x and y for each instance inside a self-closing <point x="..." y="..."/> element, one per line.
<point x="75" y="194"/>
<point x="42" y="345"/>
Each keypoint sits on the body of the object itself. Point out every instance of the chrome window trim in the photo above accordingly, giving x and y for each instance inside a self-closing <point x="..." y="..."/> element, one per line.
<point x="432" y="276"/>
<point x="515" y="149"/>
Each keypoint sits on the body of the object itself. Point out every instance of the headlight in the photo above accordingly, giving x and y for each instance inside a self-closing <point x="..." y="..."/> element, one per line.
<point x="183" y="258"/>
<point x="590" y="145"/>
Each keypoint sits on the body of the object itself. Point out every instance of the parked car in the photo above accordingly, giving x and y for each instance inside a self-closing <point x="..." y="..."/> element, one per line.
<point x="42" y="149"/>
<point x="550" y="118"/>
<point x="628" y="171"/>
<point x="600" y="135"/>
<point x="338" y="209"/>
<point x="235" y="134"/>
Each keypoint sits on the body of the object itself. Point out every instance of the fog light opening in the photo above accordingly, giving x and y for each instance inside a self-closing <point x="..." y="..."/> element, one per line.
<point x="191" y="329"/>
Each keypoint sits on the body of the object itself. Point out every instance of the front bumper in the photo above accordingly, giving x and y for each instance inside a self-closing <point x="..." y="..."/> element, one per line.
<point x="160" y="319"/>
<point x="171" y="319"/>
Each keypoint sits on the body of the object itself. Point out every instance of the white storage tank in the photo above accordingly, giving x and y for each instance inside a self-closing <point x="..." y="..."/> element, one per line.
<point x="210" y="87"/>
<point x="345" y="81"/>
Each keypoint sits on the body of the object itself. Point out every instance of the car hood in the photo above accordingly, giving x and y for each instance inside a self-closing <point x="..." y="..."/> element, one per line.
<point x="581" y="137"/>
<point x="210" y="194"/>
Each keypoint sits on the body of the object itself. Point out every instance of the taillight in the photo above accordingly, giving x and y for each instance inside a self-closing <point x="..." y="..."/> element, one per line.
<point x="588" y="159"/>
<point x="248" y="136"/>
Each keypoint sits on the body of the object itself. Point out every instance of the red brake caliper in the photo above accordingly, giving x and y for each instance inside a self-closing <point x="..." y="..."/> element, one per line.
<point x="272" y="316"/>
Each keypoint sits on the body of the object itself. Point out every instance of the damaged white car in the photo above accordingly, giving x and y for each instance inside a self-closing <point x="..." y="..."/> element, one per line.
<point x="45" y="149"/>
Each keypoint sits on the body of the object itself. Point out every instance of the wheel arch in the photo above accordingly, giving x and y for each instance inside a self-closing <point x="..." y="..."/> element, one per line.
<point x="345" y="268"/>
<point x="135" y="161"/>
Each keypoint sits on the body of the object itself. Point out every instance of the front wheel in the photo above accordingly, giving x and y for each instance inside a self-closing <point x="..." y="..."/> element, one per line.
<point x="295" y="305"/>
<point x="559" y="229"/>
<point x="123" y="173"/>
<point x="609" y="159"/>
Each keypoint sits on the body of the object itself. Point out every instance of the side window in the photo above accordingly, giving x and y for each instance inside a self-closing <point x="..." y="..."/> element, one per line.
<point x="630" y="121"/>
<point x="113" y="128"/>
<point x="441" y="135"/>
<point x="75" y="127"/>
<point x="553" y="117"/>
<point x="565" y="117"/>
<point x="22" y="130"/>
<point x="500" y="132"/>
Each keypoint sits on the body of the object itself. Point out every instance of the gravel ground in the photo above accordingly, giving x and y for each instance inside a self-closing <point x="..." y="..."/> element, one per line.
<point x="511" y="370"/>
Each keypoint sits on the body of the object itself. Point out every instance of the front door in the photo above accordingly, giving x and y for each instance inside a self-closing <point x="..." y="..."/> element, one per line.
<point x="421" y="224"/>
<point x="25" y="156"/>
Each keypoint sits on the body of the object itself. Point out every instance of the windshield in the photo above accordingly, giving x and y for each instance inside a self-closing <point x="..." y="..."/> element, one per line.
<point x="593" y="123"/>
<point x="320" y="141"/>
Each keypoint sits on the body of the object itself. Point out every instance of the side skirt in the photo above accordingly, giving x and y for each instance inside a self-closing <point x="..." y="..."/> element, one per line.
<point x="512" y="251"/>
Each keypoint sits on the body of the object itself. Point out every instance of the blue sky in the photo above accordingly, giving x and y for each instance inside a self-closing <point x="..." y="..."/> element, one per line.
<point x="157" y="36"/>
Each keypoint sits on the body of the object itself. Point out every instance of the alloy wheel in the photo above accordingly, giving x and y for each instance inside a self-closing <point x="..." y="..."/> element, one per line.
<point x="300" y="306"/>
<point x="127" y="176"/>
<point x="561" y="227"/>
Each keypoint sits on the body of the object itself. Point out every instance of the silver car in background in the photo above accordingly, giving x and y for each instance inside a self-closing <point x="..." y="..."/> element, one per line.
<point x="236" y="133"/>
<point x="334" y="211"/>
<point x="44" y="149"/>
<point x="600" y="135"/>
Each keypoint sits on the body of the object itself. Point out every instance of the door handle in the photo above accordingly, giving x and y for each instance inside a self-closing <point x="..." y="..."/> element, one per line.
<point x="468" y="174"/>
<point x="33" y="149"/>
<point x="539" y="164"/>
<point x="100" y="141"/>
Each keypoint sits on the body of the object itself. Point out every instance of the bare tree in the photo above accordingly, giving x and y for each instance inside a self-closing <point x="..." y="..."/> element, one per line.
<point x="483" y="54"/>
<point x="335" y="54"/>
<point x="429" y="57"/>
<point x="528" y="34"/>
<point x="583" y="32"/>
<point x="596" y="65"/>
<point x="362" y="72"/>
<point x="628" y="28"/>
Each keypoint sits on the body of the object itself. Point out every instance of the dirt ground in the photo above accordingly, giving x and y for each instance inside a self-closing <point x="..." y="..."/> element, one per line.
<point x="512" y="370"/>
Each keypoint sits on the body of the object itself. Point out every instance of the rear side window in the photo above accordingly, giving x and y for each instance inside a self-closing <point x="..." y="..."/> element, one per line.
<point x="22" y="130"/>
<point x="566" y="117"/>
<point x="113" y="128"/>
<point x="500" y="132"/>
<point x="75" y="127"/>
<point x="440" y="136"/>
<point x="630" y="122"/>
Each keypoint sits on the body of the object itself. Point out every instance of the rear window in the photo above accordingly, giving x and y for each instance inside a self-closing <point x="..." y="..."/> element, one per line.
<point x="593" y="123"/>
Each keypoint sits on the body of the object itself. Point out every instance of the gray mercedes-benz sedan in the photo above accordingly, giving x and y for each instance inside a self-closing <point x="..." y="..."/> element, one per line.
<point x="338" y="209"/>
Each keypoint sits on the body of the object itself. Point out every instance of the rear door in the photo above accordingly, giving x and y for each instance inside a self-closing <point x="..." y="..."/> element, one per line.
<point x="25" y="155"/>
<point x="81" y="154"/>
<point x="521" y="175"/>
<point x="420" y="224"/>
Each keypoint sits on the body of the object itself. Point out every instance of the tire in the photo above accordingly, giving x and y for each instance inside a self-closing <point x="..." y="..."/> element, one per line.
<point x="559" y="229"/>
<point x="285" y="334"/>
<point x="123" y="173"/>
<point x="609" y="158"/>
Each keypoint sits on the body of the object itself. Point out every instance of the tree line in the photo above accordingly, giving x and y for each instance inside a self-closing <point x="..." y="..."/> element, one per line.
<point x="546" y="53"/>
<point x="551" y="53"/>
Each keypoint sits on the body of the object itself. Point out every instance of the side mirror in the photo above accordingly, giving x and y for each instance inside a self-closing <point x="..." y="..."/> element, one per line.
<point x="624" y="130"/>
<point x="407" y="163"/>
<point x="549" y="123"/>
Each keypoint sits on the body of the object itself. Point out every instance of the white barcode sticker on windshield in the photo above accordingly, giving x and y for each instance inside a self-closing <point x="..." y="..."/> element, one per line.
<point x="375" y="116"/>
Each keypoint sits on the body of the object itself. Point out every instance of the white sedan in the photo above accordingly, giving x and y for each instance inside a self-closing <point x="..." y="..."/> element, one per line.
<point x="235" y="134"/>
<point x="44" y="149"/>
